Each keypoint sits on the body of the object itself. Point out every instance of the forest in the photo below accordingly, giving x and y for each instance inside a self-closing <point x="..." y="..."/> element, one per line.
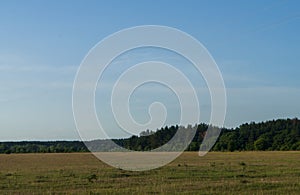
<point x="274" y="135"/>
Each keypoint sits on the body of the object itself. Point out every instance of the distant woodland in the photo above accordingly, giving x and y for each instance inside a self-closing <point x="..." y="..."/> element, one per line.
<point x="281" y="134"/>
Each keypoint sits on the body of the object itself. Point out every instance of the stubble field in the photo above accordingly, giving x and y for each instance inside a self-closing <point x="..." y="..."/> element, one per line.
<point x="215" y="173"/>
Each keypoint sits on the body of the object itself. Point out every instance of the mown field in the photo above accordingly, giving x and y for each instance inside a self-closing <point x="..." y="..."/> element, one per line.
<point x="215" y="173"/>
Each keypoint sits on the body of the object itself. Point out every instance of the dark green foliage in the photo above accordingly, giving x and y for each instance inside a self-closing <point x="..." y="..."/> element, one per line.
<point x="42" y="147"/>
<point x="271" y="135"/>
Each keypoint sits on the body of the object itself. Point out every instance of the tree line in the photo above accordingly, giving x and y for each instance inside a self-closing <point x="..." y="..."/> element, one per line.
<point x="281" y="134"/>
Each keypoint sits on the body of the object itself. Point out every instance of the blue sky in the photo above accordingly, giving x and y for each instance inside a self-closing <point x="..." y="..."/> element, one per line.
<point x="42" y="43"/>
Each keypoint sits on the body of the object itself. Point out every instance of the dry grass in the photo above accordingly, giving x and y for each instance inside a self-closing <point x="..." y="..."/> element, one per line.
<point x="215" y="173"/>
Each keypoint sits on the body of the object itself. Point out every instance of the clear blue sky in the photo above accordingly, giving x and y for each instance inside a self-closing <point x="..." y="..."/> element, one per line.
<point x="255" y="44"/>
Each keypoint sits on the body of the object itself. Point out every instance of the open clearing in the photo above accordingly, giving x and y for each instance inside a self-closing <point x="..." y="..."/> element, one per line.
<point x="215" y="173"/>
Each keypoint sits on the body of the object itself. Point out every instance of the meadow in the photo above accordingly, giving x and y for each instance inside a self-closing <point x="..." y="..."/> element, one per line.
<point x="215" y="173"/>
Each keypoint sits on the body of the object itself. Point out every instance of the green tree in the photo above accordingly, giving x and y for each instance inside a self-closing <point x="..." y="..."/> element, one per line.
<point x="261" y="143"/>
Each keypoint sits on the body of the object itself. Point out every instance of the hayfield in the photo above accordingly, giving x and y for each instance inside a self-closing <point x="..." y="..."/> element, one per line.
<point x="215" y="173"/>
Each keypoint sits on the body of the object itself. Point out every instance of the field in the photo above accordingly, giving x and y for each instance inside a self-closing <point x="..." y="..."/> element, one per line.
<point x="215" y="173"/>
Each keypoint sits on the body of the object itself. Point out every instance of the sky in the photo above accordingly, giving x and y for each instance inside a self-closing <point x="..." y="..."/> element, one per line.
<point x="42" y="43"/>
